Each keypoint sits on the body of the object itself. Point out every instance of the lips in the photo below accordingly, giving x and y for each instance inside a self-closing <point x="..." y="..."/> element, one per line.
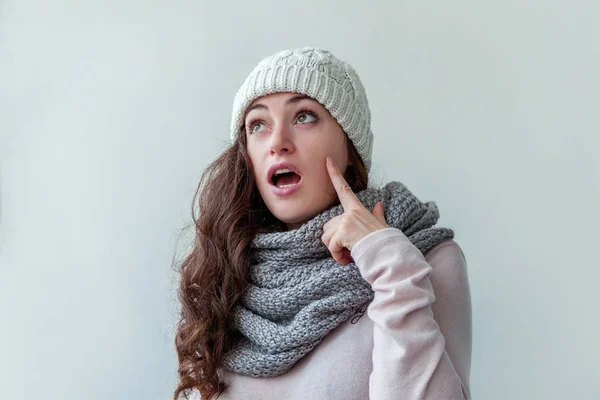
<point x="286" y="190"/>
<point x="281" y="165"/>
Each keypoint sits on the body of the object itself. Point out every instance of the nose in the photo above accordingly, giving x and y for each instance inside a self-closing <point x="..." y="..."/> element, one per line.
<point x="281" y="140"/>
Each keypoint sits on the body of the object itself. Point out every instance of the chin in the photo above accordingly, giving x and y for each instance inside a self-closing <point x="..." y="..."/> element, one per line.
<point x="292" y="218"/>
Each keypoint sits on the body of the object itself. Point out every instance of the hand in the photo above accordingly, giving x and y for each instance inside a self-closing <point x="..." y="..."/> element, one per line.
<point x="342" y="232"/>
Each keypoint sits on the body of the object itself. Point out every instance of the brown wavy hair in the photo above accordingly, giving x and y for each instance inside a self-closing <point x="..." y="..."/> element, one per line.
<point x="213" y="275"/>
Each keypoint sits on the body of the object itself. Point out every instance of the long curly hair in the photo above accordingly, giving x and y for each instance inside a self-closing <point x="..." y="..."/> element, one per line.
<point x="213" y="276"/>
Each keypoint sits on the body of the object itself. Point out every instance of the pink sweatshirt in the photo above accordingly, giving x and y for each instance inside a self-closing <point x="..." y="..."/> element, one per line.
<point x="413" y="343"/>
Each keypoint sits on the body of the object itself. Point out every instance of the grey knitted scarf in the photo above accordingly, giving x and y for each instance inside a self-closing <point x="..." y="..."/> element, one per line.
<point x="298" y="293"/>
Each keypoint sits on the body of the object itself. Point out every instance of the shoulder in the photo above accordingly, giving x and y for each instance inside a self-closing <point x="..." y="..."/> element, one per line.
<point x="448" y="248"/>
<point x="446" y="252"/>
<point x="449" y="266"/>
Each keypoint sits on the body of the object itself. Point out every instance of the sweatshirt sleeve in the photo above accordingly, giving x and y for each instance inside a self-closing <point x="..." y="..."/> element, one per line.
<point x="412" y="358"/>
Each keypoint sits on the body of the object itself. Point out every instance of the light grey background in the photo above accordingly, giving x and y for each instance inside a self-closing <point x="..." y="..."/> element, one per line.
<point x="110" y="110"/>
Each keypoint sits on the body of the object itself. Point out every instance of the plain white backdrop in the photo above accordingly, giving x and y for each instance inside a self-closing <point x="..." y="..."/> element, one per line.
<point x="110" y="110"/>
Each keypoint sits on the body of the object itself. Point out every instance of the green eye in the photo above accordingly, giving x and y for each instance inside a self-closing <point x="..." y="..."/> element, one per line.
<point x="254" y="127"/>
<point x="305" y="117"/>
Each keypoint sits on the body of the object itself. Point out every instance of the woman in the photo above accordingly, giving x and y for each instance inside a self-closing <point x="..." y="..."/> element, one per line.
<point x="293" y="248"/>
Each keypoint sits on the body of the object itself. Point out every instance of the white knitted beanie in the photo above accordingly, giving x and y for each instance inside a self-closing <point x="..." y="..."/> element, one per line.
<point x="316" y="73"/>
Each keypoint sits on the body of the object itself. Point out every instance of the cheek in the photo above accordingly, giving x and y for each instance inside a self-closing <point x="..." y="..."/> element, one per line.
<point x="255" y="168"/>
<point x="251" y="150"/>
<point x="320" y="181"/>
<point x="336" y="147"/>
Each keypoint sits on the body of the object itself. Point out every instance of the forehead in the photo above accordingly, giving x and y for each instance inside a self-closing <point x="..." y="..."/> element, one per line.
<point x="283" y="99"/>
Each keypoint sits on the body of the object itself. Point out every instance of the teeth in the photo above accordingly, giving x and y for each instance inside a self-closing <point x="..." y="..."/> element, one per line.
<point x="282" y="171"/>
<point x="284" y="186"/>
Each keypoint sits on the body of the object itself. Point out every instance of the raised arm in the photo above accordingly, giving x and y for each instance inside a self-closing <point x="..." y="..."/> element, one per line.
<point x="422" y="339"/>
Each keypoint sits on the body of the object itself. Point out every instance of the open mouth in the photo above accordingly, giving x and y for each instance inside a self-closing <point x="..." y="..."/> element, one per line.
<point x="285" y="178"/>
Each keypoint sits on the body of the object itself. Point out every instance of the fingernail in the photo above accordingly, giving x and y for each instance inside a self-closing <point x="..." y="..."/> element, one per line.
<point x="329" y="161"/>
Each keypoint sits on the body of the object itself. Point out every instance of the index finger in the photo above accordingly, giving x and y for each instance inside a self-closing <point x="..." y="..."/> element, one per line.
<point x="343" y="189"/>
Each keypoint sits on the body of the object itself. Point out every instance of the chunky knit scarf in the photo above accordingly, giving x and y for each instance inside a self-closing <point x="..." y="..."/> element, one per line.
<point x="298" y="293"/>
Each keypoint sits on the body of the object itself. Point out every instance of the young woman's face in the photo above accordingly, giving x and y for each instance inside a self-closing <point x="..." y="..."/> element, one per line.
<point x="294" y="128"/>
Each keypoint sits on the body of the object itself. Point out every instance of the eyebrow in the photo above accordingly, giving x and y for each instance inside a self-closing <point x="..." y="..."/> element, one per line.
<point x="292" y="100"/>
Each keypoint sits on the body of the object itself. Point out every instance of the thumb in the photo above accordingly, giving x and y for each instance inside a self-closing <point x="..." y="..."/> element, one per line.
<point x="378" y="211"/>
